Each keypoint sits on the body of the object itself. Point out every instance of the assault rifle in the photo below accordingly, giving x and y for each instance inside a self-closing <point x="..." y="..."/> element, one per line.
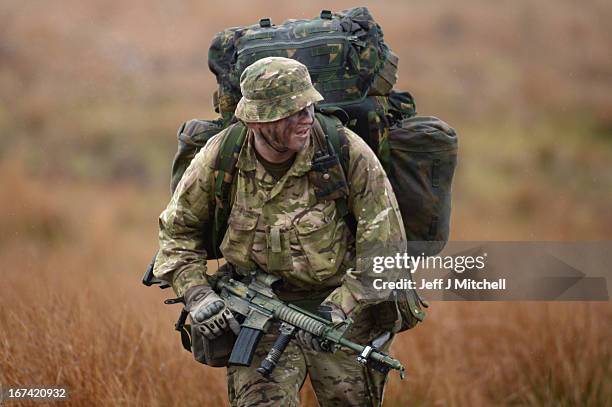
<point x="260" y="306"/>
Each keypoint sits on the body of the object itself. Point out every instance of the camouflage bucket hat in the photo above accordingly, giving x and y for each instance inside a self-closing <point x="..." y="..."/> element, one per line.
<point x="274" y="88"/>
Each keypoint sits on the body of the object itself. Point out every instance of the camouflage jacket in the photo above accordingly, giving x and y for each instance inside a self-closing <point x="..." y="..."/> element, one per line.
<point x="280" y="227"/>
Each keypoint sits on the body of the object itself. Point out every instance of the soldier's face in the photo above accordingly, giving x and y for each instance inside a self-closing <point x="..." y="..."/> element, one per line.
<point x="291" y="133"/>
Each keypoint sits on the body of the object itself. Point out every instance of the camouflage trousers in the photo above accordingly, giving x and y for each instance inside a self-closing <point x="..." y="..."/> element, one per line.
<point x="337" y="378"/>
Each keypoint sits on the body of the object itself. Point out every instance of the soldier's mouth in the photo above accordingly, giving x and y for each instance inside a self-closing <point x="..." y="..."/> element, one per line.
<point x="302" y="132"/>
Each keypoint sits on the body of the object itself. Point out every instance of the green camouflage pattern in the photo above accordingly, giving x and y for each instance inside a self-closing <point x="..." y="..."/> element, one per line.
<point x="344" y="51"/>
<point x="274" y="88"/>
<point x="281" y="227"/>
<point x="337" y="379"/>
<point x="370" y="119"/>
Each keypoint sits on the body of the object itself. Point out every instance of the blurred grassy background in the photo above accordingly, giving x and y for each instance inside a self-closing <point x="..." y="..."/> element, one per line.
<point x="91" y="95"/>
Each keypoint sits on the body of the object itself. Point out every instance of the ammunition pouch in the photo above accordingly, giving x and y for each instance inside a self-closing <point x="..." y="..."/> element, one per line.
<point x="211" y="352"/>
<point x="409" y="308"/>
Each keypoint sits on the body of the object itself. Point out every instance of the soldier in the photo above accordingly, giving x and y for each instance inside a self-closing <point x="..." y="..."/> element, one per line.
<point x="277" y="224"/>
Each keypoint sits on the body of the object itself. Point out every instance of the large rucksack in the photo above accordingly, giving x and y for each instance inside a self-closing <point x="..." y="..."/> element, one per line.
<point x="345" y="53"/>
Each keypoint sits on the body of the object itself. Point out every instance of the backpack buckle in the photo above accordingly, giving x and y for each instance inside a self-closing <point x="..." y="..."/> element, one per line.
<point x="265" y="22"/>
<point x="326" y="14"/>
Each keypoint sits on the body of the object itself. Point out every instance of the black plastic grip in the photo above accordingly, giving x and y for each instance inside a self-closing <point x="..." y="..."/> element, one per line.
<point x="149" y="279"/>
<point x="244" y="348"/>
<point x="269" y="363"/>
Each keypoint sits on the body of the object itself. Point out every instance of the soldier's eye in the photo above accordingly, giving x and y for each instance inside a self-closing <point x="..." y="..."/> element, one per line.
<point x="307" y="111"/>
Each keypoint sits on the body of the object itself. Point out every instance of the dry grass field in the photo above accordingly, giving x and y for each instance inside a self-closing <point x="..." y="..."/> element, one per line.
<point x="91" y="94"/>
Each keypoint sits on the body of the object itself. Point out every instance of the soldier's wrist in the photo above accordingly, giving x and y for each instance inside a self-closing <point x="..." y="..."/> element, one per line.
<point x="187" y="279"/>
<point x="195" y="293"/>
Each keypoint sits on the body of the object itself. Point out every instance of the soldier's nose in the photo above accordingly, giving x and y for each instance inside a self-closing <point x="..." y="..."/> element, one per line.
<point x="307" y="116"/>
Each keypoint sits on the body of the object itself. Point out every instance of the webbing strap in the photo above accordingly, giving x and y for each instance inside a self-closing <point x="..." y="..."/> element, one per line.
<point x="225" y="169"/>
<point x="259" y="36"/>
<point x="312" y="29"/>
<point x="339" y="84"/>
<point x="339" y="143"/>
<point x="324" y="50"/>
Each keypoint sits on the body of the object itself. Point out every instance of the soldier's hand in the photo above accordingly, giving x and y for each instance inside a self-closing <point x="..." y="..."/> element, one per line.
<point x="307" y="341"/>
<point x="208" y="312"/>
<point x="331" y="312"/>
<point x="339" y="305"/>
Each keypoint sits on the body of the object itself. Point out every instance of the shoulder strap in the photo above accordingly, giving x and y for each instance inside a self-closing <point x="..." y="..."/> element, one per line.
<point x="334" y="130"/>
<point x="337" y="140"/>
<point x="225" y="169"/>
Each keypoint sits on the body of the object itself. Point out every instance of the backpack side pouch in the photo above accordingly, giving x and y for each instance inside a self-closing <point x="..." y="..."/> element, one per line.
<point x="423" y="160"/>
<point x="192" y="136"/>
<point x="212" y="352"/>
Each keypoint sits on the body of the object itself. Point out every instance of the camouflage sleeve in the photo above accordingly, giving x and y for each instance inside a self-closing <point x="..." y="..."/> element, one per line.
<point x="181" y="259"/>
<point x="380" y="230"/>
